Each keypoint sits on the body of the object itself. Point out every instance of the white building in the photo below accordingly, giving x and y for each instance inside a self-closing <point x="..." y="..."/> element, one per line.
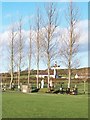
<point x="54" y="68"/>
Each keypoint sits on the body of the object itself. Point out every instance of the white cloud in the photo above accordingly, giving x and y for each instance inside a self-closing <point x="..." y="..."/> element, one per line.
<point x="3" y="38"/>
<point x="82" y="26"/>
<point x="83" y="29"/>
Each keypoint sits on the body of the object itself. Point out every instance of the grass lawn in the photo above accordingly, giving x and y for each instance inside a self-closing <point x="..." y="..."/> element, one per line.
<point x="19" y="105"/>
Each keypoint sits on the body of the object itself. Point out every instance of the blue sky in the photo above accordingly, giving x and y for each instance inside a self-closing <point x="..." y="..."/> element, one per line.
<point x="12" y="10"/>
<point x="28" y="9"/>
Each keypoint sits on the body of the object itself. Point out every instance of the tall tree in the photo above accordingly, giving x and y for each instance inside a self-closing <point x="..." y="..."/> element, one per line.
<point x="49" y="40"/>
<point x="38" y="40"/>
<point x="70" y="38"/>
<point x="12" y="34"/>
<point x="29" y="54"/>
<point x="20" y="48"/>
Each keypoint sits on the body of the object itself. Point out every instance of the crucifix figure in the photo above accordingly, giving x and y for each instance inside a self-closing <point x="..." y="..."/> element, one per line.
<point x="55" y="68"/>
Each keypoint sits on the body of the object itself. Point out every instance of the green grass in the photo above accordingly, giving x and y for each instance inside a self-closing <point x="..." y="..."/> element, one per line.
<point x="19" y="105"/>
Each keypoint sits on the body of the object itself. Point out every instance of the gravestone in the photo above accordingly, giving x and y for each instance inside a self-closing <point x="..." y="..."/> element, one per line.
<point x="25" y="88"/>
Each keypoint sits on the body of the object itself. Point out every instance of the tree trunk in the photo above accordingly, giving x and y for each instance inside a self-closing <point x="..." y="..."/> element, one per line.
<point x="37" y="66"/>
<point x="37" y="77"/>
<point x="48" y="77"/>
<point x="69" y="78"/>
<point x="28" y="76"/>
<point x="19" y="79"/>
<point x="84" y="87"/>
<point x="12" y="59"/>
<point x="71" y="38"/>
<point x="11" y="80"/>
<point x="48" y="71"/>
<point x="30" y="55"/>
<point x="29" y="69"/>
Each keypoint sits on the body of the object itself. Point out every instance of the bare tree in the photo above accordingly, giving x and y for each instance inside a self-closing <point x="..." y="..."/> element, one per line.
<point x="38" y="40"/>
<point x="70" y="38"/>
<point x="20" y="49"/>
<point x="12" y="34"/>
<point x="29" y="54"/>
<point x="49" y="45"/>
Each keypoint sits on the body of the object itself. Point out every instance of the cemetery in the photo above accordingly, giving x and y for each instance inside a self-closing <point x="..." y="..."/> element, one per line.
<point x="53" y="100"/>
<point x="57" y="85"/>
<point x="44" y="57"/>
<point x="28" y="101"/>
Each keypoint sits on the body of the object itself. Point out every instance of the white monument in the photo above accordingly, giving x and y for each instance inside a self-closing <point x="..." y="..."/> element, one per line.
<point x="76" y="76"/>
<point x="55" y="68"/>
<point x="51" y="84"/>
<point x="42" y="83"/>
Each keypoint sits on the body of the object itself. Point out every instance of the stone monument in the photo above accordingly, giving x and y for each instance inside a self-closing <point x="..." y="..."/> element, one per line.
<point x="42" y="83"/>
<point x="25" y="88"/>
<point x="51" y="84"/>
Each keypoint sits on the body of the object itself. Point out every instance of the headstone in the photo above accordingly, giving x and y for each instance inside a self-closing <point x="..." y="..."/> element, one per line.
<point x="24" y="88"/>
<point x="42" y="83"/>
